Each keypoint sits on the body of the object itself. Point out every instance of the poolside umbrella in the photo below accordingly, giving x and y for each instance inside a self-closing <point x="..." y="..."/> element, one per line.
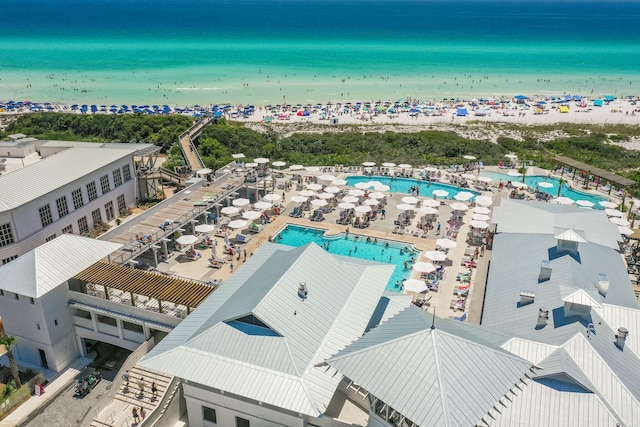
<point x="374" y="184"/>
<point x="312" y="169"/>
<point x="625" y="230"/>
<point x="346" y="205"/>
<point x="562" y="201"/>
<point x="607" y="204"/>
<point x="440" y="193"/>
<point x="296" y="167"/>
<point x="613" y="212"/>
<point x="514" y="173"/>
<point x="326" y="196"/>
<point x="424" y="267"/>
<point x="446" y="243"/>
<point x="362" y="209"/>
<point x="238" y="156"/>
<point x="464" y="196"/>
<point x="332" y="190"/>
<point x="299" y="199"/>
<point x="431" y="169"/>
<point x="318" y="203"/>
<point x="350" y="199"/>
<point x="389" y="165"/>
<point x="459" y="207"/>
<point x="279" y="163"/>
<point x="272" y="197"/>
<point x="404" y="166"/>
<point x="480" y="217"/>
<point x="251" y="215"/>
<point x="511" y="156"/>
<point x="415" y="285"/>
<point x="468" y="157"/>
<point x="339" y="182"/>
<point x="410" y="200"/>
<point x="436" y="256"/>
<point x="468" y="176"/>
<point x="381" y="187"/>
<point x="326" y="177"/>
<point x="262" y="205"/>
<point x="308" y="193"/>
<point x="484" y="179"/>
<point x="251" y="165"/>
<point x="241" y="202"/>
<point x="230" y="210"/>
<point x="371" y="202"/>
<point x="484" y="201"/>
<point x="261" y="160"/>
<point x="479" y="224"/>
<point x="356" y="193"/>
<point x="362" y="185"/>
<point x="431" y="203"/>
<point x="585" y="203"/>
<point x="428" y="210"/>
<point x="187" y="239"/>
<point x="376" y="195"/>
<point x="405" y="207"/>
<point x="368" y="164"/>
<point x="519" y="184"/>
<point x="314" y="187"/>
<point x="205" y="171"/>
<point x="238" y="223"/>
<point x="619" y="221"/>
<point x="204" y="228"/>
<point x="481" y="210"/>
<point x="544" y="184"/>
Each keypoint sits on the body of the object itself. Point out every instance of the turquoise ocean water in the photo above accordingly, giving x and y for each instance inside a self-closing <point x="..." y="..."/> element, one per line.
<point x="294" y="51"/>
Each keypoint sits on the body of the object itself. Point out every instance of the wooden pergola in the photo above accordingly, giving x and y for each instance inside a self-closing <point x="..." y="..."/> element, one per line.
<point x="618" y="180"/>
<point x="153" y="285"/>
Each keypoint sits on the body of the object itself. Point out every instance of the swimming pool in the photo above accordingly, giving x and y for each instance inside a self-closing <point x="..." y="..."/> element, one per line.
<point x="354" y="245"/>
<point x="403" y="185"/>
<point x="533" y="180"/>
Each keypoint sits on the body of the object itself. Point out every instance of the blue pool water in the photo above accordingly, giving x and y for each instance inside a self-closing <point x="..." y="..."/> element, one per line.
<point x="403" y="185"/>
<point x="533" y="180"/>
<point x="396" y="253"/>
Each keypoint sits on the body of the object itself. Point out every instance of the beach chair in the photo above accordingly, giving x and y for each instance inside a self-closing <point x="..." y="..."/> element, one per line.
<point x="241" y="238"/>
<point x="418" y="232"/>
<point x="255" y="228"/>
<point x="215" y="264"/>
<point x="296" y="212"/>
<point x="314" y="215"/>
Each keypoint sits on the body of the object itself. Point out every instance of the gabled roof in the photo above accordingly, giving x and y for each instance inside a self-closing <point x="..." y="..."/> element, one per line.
<point x="48" y="266"/>
<point x="255" y="337"/>
<point x="451" y="375"/>
<point x="561" y="366"/>
<point x="577" y="296"/>
<point x="570" y="236"/>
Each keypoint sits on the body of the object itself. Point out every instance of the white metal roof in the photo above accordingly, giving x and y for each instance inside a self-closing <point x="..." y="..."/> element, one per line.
<point x="570" y="236"/>
<point x="26" y="184"/>
<point x="47" y="266"/>
<point x="275" y="363"/>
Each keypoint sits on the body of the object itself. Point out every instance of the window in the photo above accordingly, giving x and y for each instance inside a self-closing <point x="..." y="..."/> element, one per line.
<point x="17" y="297"/>
<point x="241" y="422"/>
<point x="122" y="205"/>
<point x="91" y="191"/>
<point x="50" y="238"/>
<point x="117" y="178"/>
<point x="63" y="208"/>
<point x="45" y="215"/>
<point x="97" y="217"/>
<point x="126" y="171"/>
<point x="83" y="227"/>
<point x="6" y="234"/>
<point x="1" y="293"/>
<point x="209" y="414"/>
<point x="32" y="301"/>
<point x="8" y="260"/>
<point x="78" y="200"/>
<point x="108" y="210"/>
<point x="68" y="229"/>
<point x="104" y="184"/>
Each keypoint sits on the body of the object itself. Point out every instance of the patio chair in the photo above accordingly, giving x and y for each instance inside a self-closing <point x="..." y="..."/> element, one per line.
<point x="255" y="228"/>
<point x="296" y="212"/>
<point x="241" y="238"/>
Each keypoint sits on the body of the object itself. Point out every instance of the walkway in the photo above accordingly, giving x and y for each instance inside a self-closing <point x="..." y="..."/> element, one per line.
<point x="188" y="148"/>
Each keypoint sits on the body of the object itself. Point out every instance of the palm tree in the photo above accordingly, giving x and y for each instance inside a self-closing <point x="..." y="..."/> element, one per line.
<point x="8" y="341"/>
<point x="561" y="182"/>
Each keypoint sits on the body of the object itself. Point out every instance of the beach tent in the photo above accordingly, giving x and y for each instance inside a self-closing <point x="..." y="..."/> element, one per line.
<point x="597" y="102"/>
<point x="609" y="98"/>
<point x="564" y="109"/>
<point x="462" y="112"/>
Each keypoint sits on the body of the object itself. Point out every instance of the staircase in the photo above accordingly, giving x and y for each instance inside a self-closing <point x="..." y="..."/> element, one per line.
<point x="118" y="413"/>
<point x="188" y="148"/>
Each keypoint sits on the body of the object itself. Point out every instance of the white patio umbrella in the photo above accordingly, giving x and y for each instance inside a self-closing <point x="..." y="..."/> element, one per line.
<point x="368" y="164"/>
<point x="230" y="210"/>
<point x="410" y="200"/>
<point x="238" y="223"/>
<point x="484" y="179"/>
<point x="389" y="165"/>
<point x="405" y="207"/>
<point x="427" y="210"/>
<point x="346" y="205"/>
<point x="424" y="267"/>
<point x="405" y="166"/>
<point x="299" y="199"/>
<point x="446" y="243"/>
<point x="463" y="196"/>
<point x="613" y="212"/>
<point x="431" y="169"/>
<point x="350" y="199"/>
<point x="318" y="203"/>
<point x="469" y="157"/>
<point x="312" y="169"/>
<point x="381" y="187"/>
<point x="625" y="230"/>
<point x="362" y="185"/>
<point x="332" y="190"/>
<point x="241" y="202"/>
<point x="585" y="203"/>
<point x="296" y="167"/>
<point x="440" y="193"/>
<point x="362" y="209"/>
<point x="431" y="203"/>
<point x="238" y="156"/>
<point x="314" y="187"/>
<point x="519" y="184"/>
<point x="415" y="285"/>
<point x="459" y="207"/>
<point x="544" y="184"/>
<point x="371" y="202"/>
<point x="326" y="196"/>
<point x="251" y="215"/>
<point x="356" y="193"/>
<point x="607" y="204"/>
<point x="339" y="182"/>
<point x="262" y="205"/>
<point x="619" y="221"/>
<point x="514" y="173"/>
<point x="187" y="239"/>
<point x="279" y="163"/>
<point x="479" y="224"/>
<point x="272" y="197"/>
<point x="480" y="217"/>
<point x="468" y="176"/>
<point x="251" y="165"/>
<point x="205" y="171"/>
<point x="562" y="201"/>
<point x="484" y="201"/>
<point x="374" y="183"/>
<point x="308" y="193"/>
<point x="482" y="210"/>
<point x="326" y="177"/>
<point x="261" y="160"/>
<point x="204" y="228"/>
<point x="377" y="195"/>
<point x="511" y="156"/>
<point x="436" y="256"/>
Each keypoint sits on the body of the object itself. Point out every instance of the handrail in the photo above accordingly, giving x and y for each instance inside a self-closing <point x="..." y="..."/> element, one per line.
<point x="171" y="392"/>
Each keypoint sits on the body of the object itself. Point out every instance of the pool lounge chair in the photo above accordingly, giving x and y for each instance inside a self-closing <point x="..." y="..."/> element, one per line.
<point x="296" y="212"/>
<point x="215" y="264"/>
<point x="241" y="238"/>
<point x="255" y="228"/>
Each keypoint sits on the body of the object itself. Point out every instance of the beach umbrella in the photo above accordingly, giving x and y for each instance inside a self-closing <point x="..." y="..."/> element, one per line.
<point x="251" y="165"/>
<point x="187" y="239"/>
<point x="308" y="193"/>
<point x="514" y="173"/>
<point x="362" y="209"/>
<point x="318" y="203"/>
<point x="238" y="223"/>
<point x="371" y="202"/>
<point x="262" y="205"/>
<point x="314" y="187"/>
<point x="410" y="200"/>
<point x="204" y="228"/>
<point x="619" y="221"/>
<point x="362" y="185"/>
<point x="381" y="187"/>
<point x="484" y="179"/>
<point x="339" y="182"/>
<point x="511" y="156"/>
<point x="625" y="230"/>
<point x="241" y="202"/>
<point x="431" y="203"/>
<point x="480" y="217"/>
<point x="251" y="215"/>
<point x="424" y="267"/>
<point x="519" y="184"/>
<point x="464" y="196"/>
<point x="479" y="224"/>
<point x="428" y="210"/>
<point x="469" y="157"/>
<point x="468" y="176"/>
<point x="585" y="203"/>
<point x="459" y="207"/>
<point x="350" y="199"/>
<point x="356" y="193"/>
<point x="484" y="201"/>
<point x="272" y="197"/>
<point x="404" y="166"/>
<point x="440" y="193"/>
<point x="205" y="171"/>
<point x="613" y="212"/>
<point x="299" y="199"/>
<point x="332" y="190"/>
<point x="431" y="169"/>
<point x="326" y="196"/>
<point x="368" y="164"/>
<point x="607" y="204"/>
<point x="377" y="195"/>
<point x="326" y="177"/>
<point x="312" y="169"/>
<point x="544" y="184"/>
<point x="261" y="160"/>
<point x="389" y="165"/>
<point x="446" y="243"/>
<point x="415" y="285"/>
<point x="238" y="156"/>
<point x="562" y="201"/>
<point x="346" y="205"/>
<point x="296" y="167"/>
<point x="481" y="210"/>
<point x="230" y="210"/>
<point x="405" y="207"/>
<point x="436" y="256"/>
<point x="279" y="163"/>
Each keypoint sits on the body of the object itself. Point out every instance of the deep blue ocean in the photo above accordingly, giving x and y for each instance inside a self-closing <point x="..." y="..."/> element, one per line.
<point x="292" y="50"/>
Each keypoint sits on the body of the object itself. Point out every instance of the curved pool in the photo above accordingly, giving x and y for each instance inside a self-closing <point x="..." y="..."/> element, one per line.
<point x="403" y="185"/>
<point x="354" y="245"/>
